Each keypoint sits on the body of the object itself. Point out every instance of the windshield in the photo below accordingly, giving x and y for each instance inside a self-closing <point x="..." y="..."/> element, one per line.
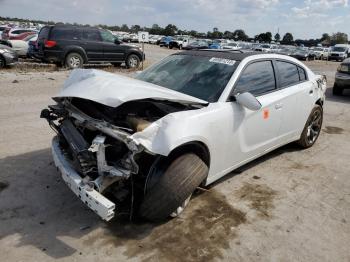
<point x="339" y="49"/>
<point x="202" y="77"/>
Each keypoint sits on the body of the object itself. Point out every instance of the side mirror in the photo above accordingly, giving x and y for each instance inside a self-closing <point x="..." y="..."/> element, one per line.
<point x="116" y="41"/>
<point x="249" y="101"/>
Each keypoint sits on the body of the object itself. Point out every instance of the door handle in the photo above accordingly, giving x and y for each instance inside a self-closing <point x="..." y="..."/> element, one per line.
<point x="278" y="106"/>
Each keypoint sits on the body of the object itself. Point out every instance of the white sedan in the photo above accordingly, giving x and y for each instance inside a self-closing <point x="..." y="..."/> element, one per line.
<point x="146" y="144"/>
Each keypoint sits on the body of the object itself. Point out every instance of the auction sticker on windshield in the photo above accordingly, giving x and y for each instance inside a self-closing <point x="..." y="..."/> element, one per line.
<point x="222" y="61"/>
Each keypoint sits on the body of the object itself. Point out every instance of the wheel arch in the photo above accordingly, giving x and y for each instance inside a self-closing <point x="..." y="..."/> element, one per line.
<point x="133" y="52"/>
<point x="196" y="147"/>
<point x="319" y="102"/>
<point x="162" y="162"/>
<point x="75" y="49"/>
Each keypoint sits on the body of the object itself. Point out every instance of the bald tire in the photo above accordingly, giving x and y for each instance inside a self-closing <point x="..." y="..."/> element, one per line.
<point x="178" y="182"/>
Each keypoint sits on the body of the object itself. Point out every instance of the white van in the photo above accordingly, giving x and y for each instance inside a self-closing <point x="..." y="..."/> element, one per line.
<point x="340" y="52"/>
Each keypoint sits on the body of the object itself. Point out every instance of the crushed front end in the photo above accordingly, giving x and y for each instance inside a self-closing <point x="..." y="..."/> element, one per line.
<point x="96" y="155"/>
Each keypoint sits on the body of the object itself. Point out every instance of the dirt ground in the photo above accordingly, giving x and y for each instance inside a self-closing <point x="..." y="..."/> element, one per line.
<point x="290" y="205"/>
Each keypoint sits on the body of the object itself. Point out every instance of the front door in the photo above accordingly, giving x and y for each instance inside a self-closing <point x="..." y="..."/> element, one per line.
<point x="255" y="132"/>
<point x="112" y="51"/>
<point x="92" y="43"/>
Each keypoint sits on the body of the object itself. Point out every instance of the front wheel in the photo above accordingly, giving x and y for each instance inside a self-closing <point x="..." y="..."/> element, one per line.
<point x="133" y="61"/>
<point x="170" y="194"/>
<point x="312" y="128"/>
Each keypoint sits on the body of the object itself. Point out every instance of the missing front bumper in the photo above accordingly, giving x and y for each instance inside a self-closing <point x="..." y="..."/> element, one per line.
<point x="93" y="199"/>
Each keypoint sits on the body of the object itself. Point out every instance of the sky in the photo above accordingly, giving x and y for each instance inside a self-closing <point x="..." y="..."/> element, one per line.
<point x="304" y="19"/>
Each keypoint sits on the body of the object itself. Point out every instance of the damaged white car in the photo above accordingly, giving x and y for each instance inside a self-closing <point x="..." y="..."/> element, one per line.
<point x="143" y="145"/>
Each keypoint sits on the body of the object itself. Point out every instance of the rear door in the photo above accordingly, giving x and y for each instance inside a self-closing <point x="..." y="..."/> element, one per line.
<point x="42" y="37"/>
<point x="92" y="44"/>
<point x="112" y="51"/>
<point x="297" y="98"/>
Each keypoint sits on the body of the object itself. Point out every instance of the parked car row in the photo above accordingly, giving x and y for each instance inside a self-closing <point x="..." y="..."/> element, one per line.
<point x="7" y="56"/>
<point x="74" y="46"/>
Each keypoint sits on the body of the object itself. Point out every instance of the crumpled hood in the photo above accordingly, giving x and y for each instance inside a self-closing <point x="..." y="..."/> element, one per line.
<point x="113" y="90"/>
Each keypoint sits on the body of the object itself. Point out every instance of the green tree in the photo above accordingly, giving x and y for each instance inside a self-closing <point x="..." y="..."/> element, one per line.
<point x="156" y="30"/>
<point x="287" y="38"/>
<point x="339" y="38"/>
<point x="264" y="37"/>
<point x="135" y="28"/>
<point x="228" y="35"/>
<point x="277" y="37"/>
<point x="240" y="35"/>
<point x="125" y="28"/>
<point x="170" y="30"/>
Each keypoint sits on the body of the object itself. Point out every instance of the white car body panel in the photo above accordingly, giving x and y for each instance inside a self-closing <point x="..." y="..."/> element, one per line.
<point x="234" y="135"/>
<point x="20" y="47"/>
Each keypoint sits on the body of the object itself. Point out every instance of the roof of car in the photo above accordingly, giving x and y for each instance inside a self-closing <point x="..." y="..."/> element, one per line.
<point x="237" y="55"/>
<point x="64" y="26"/>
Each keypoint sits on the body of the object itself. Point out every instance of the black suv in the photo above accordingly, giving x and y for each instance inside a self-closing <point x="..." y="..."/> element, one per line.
<point x="74" y="46"/>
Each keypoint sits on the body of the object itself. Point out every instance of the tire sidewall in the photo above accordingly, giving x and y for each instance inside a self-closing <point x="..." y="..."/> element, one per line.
<point x="303" y="138"/>
<point x="128" y="60"/>
<point x="174" y="184"/>
<point x="69" y="56"/>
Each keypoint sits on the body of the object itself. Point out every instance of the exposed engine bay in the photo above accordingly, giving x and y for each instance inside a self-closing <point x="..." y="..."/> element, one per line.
<point x="95" y="139"/>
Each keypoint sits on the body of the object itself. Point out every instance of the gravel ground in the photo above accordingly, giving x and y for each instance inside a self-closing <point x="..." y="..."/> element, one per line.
<point x="290" y="205"/>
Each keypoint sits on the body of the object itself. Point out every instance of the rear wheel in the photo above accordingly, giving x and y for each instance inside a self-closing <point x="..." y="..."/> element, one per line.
<point x="312" y="128"/>
<point x="337" y="91"/>
<point x="74" y="60"/>
<point x="172" y="191"/>
<point x="2" y="62"/>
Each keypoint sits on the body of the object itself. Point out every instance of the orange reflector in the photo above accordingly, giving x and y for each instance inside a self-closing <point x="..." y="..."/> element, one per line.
<point x="266" y="113"/>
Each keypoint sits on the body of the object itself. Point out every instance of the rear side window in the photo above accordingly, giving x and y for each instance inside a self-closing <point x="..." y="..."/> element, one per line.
<point x="289" y="74"/>
<point x="63" y="33"/>
<point x="44" y="33"/>
<point x="302" y="74"/>
<point x="91" y="35"/>
<point x="258" y="78"/>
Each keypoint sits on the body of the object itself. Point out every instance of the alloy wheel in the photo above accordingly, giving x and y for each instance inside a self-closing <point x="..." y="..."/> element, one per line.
<point x="74" y="62"/>
<point x="314" y="127"/>
<point x="133" y="62"/>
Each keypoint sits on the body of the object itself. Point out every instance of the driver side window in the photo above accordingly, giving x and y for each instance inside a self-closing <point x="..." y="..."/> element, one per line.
<point x="107" y="36"/>
<point x="257" y="78"/>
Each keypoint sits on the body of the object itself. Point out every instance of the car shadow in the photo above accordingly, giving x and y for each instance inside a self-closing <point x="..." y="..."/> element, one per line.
<point x="39" y="210"/>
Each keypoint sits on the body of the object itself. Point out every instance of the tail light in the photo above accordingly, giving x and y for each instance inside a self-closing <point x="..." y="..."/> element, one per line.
<point x="49" y="43"/>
